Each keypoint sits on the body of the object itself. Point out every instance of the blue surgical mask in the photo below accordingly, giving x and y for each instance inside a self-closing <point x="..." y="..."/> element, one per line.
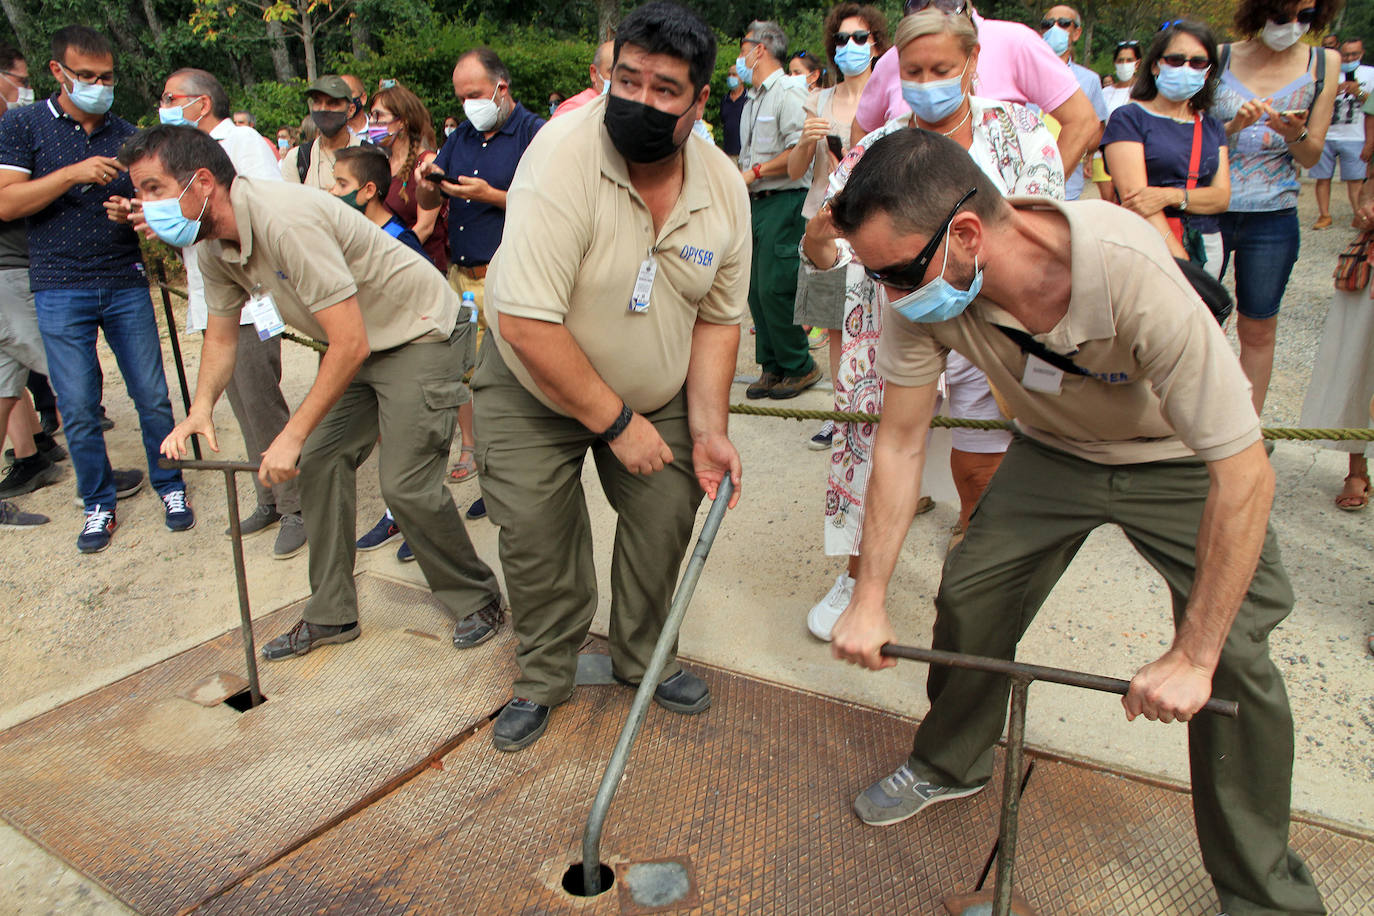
<point x="283" y="143"/>
<point x="1178" y="84"/>
<point x="732" y="82"/>
<point x="939" y="300"/>
<point x="1349" y="67"/>
<point x="853" y="58"/>
<point x="176" y="114"/>
<point x="1058" y="40"/>
<point x="171" y="225"/>
<point x="934" y="101"/>
<point x="92" y="98"/>
<point x="745" y="71"/>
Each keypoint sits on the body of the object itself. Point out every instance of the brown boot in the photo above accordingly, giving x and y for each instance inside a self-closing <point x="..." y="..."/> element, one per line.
<point x="763" y="387"/>
<point x="793" y="385"/>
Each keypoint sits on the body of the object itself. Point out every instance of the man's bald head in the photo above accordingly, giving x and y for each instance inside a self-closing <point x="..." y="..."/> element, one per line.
<point x="603" y="61"/>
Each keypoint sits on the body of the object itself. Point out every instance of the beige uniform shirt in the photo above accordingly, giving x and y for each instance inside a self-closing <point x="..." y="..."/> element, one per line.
<point x="321" y="172"/>
<point x="310" y="251"/>
<point x="577" y="235"/>
<point x="1165" y="383"/>
<point x="770" y="124"/>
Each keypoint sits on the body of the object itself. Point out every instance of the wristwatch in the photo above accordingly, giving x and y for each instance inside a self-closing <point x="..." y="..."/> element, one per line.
<point x="1299" y="138"/>
<point x="1184" y="206"/>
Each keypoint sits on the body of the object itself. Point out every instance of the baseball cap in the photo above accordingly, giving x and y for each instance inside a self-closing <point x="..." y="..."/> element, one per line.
<point x="332" y="86"/>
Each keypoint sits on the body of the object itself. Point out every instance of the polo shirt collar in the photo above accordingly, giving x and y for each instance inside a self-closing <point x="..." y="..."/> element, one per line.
<point x="695" y="193"/>
<point x="506" y="128"/>
<point x="769" y="82"/>
<point x="1090" y="315"/>
<point x="221" y="130"/>
<point x="55" y="107"/>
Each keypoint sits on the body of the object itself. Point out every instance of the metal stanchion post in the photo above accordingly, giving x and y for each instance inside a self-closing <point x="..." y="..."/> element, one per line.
<point x="176" y="349"/>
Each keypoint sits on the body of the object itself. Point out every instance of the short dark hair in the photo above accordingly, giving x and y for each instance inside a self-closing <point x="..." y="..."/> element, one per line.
<point x="491" y="62"/>
<point x="181" y="150"/>
<point x="367" y="164"/>
<point x="8" y="55"/>
<point x="661" y="27"/>
<point x="872" y="17"/>
<point x="201" y="82"/>
<point x="914" y="176"/>
<point x="81" y="37"/>
<point x="1251" y="15"/>
<point x="1354" y="40"/>
<point x="1145" y="88"/>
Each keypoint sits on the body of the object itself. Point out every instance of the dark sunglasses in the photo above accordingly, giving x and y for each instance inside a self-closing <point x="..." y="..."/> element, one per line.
<point x="1306" y="17"/>
<point x="859" y="35"/>
<point x="1178" y="60"/>
<point x="1063" y="22"/>
<point x="912" y="274"/>
<point x="948" y="6"/>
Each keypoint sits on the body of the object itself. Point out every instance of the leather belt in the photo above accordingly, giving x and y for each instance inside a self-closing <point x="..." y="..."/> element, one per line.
<point x="474" y="273"/>
<point x="760" y="195"/>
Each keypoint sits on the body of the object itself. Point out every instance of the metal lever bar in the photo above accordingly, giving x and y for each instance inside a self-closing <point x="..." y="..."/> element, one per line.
<point x="620" y="757"/>
<point x="230" y="468"/>
<point x="176" y="349"/>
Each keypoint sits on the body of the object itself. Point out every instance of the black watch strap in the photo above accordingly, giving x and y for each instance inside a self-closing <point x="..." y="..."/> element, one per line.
<point x="612" y="432"/>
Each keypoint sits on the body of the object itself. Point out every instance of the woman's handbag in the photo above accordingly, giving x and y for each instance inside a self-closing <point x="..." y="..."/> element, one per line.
<point x="1352" y="265"/>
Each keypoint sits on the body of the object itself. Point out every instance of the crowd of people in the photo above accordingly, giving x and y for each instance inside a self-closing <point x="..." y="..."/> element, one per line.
<point x="544" y="289"/>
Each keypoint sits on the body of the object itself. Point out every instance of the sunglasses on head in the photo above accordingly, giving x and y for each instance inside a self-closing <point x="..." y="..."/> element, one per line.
<point x="860" y="36"/>
<point x="912" y="274"/>
<point x="1178" y="60"/>
<point x="948" y="6"/>
<point x="1169" y="24"/>
<point x="1132" y="43"/>
<point x="1305" y="17"/>
<point x="1063" y="22"/>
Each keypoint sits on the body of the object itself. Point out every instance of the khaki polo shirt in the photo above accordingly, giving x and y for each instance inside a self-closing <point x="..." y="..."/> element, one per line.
<point x="1166" y="383"/>
<point x="576" y="236"/>
<point x="320" y="174"/>
<point x="311" y="251"/>
<point x="770" y="124"/>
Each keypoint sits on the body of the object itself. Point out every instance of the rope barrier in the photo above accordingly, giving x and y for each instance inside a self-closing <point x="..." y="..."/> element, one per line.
<point x="843" y="416"/>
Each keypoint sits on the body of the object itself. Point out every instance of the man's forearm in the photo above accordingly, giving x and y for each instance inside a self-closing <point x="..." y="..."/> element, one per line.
<point x="710" y="372"/>
<point x="894" y="488"/>
<point x="1230" y="538"/>
<point x="562" y="371"/>
<point x="27" y="197"/>
<point x="218" y="353"/>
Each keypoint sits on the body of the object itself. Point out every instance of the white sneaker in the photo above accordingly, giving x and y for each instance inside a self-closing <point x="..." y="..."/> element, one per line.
<point x="821" y="619"/>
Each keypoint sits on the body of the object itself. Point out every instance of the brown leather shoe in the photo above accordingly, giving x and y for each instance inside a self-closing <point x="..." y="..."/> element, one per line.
<point x="763" y="386"/>
<point x="1323" y="222"/>
<point x="793" y="385"/>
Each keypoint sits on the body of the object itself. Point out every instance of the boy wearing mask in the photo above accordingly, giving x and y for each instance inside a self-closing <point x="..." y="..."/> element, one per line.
<point x="362" y="178"/>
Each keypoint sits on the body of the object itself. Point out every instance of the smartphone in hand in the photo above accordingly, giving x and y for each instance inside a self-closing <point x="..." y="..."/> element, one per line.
<point x="836" y="147"/>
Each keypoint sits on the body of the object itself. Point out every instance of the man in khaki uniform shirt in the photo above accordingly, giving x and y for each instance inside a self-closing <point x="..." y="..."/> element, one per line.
<point x="614" y="305"/>
<point x="1131" y="410"/>
<point x="394" y="364"/>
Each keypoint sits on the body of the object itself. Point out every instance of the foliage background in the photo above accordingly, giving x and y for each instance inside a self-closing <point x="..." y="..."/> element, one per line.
<point x="257" y="49"/>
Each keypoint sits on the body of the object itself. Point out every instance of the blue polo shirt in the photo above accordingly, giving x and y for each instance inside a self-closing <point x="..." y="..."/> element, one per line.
<point x="474" y="229"/>
<point x="72" y="245"/>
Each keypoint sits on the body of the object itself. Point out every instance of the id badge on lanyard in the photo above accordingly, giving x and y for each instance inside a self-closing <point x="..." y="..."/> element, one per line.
<point x="266" y="318"/>
<point x="644" y="285"/>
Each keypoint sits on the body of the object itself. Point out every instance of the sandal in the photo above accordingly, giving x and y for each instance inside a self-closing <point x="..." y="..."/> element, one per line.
<point x="465" y="468"/>
<point x="1354" y="502"/>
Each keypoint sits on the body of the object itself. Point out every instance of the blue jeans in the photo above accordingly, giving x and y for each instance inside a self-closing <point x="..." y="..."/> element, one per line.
<point x="68" y="319"/>
<point x="1264" y="247"/>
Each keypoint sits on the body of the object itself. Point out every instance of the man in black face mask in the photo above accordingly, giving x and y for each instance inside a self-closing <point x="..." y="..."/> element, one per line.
<point x="614" y="305"/>
<point x="331" y="104"/>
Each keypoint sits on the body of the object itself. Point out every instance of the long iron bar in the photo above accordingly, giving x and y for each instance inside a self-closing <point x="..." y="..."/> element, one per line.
<point x="176" y="349"/>
<point x="1021" y="676"/>
<point x="231" y="489"/>
<point x="610" y="781"/>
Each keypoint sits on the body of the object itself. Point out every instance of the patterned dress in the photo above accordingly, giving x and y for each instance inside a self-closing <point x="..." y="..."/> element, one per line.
<point x="1017" y="151"/>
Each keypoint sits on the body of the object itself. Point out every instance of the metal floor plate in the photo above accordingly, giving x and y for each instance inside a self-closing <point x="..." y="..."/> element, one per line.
<point x="756" y="794"/>
<point x="163" y="801"/>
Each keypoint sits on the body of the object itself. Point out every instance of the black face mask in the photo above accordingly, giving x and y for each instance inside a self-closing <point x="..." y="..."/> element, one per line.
<point x="641" y="133"/>
<point x="329" y="122"/>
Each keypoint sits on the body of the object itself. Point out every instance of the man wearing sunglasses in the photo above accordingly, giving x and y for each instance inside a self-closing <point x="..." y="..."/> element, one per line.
<point x="1061" y="28"/>
<point x="1014" y="65"/>
<point x="1131" y="410"/>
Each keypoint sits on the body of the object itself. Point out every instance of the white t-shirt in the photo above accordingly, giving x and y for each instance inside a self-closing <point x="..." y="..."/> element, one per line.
<point x="253" y="158"/>
<point x="1347" y="120"/>
<point x="1115" y="97"/>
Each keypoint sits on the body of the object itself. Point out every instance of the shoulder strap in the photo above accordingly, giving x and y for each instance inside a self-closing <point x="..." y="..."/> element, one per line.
<point x="1195" y="159"/>
<point x="1029" y="344"/>
<point x="1320" y="79"/>
<point x="1225" y="61"/>
<point x="303" y="159"/>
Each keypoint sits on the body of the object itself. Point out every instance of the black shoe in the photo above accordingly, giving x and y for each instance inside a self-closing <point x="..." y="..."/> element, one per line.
<point x="477" y="510"/>
<point x="794" y="385"/>
<point x="479" y="626"/>
<point x="762" y="387"/>
<point x="106" y="423"/>
<point x="303" y="637"/>
<point x="520" y="724"/>
<point x="683" y="693"/>
<point x="28" y="474"/>
<point x="127" y="483"/>
<point x="50" y="421"/>
<point x="47" y="447"/>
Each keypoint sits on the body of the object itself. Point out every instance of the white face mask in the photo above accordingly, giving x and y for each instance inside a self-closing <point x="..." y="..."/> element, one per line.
<point x="483" y="113"/>
<point x="23" y="94"/>
<point x="1282" y="37"/>
<point x="1125" y="72"/>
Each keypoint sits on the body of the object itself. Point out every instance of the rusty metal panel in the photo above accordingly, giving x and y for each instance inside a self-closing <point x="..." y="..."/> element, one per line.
<point x="1094" y="842"/>
<point x="163" y="801"/>
<point x="756" y="794"/>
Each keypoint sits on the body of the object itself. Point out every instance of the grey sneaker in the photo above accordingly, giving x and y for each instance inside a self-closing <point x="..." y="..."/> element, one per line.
<point x="479" y="626"/>
<point x="895" y="798"/>
<point x="304" y="636"/>
<point x="12" y="517"/>
<point x="290" y="537"/>
<point x="127" y="483"/>
<point x="263" y="517"/>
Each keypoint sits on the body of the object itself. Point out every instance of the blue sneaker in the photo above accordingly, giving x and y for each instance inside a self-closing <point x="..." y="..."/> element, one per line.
<point x="477" y="510"/>
<point x="12" y="517"/>
<point x="179" y="514"/>
<point x="405" y="554"/>
<point x="382" y="533"/>
<point x="96" y="533"/>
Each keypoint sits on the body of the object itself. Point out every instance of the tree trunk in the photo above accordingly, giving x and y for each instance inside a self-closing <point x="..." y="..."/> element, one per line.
<point x="306" y="27"/>
<point x="276" y="40"/>
<point x="18" y="25"/>
<point x="150" y="12"/>
<point x="608" y="19"/>
<point x="362" y="38"/>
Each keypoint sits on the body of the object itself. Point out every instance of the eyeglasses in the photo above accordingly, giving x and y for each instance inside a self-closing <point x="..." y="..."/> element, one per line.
<point x="1063" y="22"/>
<point x="170" y="98"/>
<point x="1132" y="43"/>
<point x="105" y="79"/>
<point x="380" y="117"/>
<point x="912" y="274"/>
<point x="21" y="81"/>
<point x="1178" y="60"/>
<point x="860" y="36"/>
<point x="1305" y="17"/>
<point x="948" y="6"/>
